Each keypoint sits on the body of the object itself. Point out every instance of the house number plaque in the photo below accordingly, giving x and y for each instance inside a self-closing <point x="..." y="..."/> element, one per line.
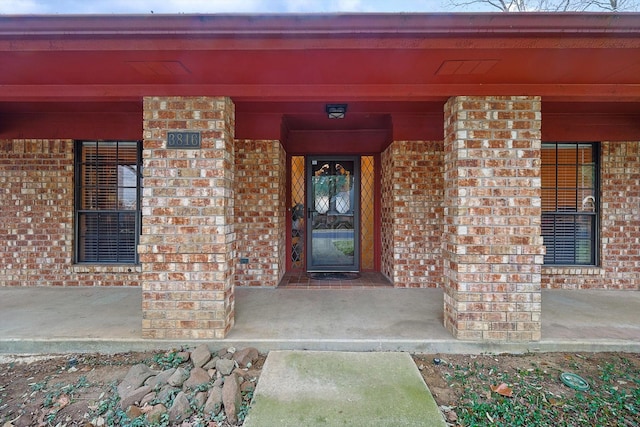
<point x="184" y="140"/>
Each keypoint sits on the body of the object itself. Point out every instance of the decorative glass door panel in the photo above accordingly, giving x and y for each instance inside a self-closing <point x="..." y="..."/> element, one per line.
<point x="333" y="198"/>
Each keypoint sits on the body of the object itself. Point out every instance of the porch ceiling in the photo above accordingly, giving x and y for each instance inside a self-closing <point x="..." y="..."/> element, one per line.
<point x="280" y="70"/>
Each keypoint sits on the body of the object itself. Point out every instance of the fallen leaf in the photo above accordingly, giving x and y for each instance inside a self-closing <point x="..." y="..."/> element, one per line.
<point x="555" y="402"/>
<point x="502" y="390"/>
<point x="63" y="401"/>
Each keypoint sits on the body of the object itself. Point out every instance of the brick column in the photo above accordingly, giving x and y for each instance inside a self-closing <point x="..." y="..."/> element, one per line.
<point x="412" y="188"/>
<point x="187" y="242"/>
<point x="492" y="246"/>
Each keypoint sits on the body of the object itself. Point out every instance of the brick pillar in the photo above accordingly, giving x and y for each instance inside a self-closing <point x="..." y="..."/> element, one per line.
<point x="187" y="242"/>
<point x="492" y="246"/>
<point x="412" y="187"/>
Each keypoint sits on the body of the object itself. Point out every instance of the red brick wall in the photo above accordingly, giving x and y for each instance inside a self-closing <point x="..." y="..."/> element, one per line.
<point x="36" y="220"/>
<point x="260" y="212"/>
<point x="619" y="224"/>
<point x="492" y="244"/>
<point x="188" y="239"/>
<point x="412" y="213"/>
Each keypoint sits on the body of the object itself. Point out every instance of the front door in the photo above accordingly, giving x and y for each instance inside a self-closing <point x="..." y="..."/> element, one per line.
<point x="333" y="222"/>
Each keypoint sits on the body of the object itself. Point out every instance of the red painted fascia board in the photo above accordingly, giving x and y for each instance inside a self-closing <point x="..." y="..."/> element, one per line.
<point x="479" y="24"/>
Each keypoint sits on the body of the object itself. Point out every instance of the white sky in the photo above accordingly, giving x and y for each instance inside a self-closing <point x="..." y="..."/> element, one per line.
<point x="221" y="6"/>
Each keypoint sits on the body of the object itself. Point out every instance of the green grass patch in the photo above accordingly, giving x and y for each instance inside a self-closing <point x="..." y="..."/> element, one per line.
<point x="540" y="399"/>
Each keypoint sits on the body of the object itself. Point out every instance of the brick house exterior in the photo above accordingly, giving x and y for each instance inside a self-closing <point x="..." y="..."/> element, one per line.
<point x="460" y="183"/>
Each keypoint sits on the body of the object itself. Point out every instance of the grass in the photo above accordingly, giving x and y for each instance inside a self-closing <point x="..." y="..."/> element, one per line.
<point x="612" y="400"/>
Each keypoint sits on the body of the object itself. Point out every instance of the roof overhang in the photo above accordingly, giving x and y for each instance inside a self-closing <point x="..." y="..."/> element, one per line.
<point x="394" y="70"/>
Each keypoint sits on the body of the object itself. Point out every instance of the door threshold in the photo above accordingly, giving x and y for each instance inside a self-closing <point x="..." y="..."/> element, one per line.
<point x="338" y="275"/>
<point x="301" y="280"/>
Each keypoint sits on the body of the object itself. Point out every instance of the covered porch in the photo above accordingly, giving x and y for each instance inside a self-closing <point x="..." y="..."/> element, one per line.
<point x="452" y="111"/>
<point x="108" y="320"/>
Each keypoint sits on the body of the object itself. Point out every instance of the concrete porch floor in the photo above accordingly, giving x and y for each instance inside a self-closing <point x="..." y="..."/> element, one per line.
<point x="108" y="320"/>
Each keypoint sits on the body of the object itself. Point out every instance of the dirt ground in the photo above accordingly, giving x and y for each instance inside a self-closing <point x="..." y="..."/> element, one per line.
<point x="68" y="390"/>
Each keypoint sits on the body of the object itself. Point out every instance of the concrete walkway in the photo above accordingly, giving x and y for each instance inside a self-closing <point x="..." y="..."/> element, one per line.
<point x="326" y="388"/>
<point x="108" y="320"/>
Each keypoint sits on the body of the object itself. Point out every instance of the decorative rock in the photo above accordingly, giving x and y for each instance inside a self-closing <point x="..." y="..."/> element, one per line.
<point x="178" y="377"/>
<point x="198" y="377"/>
<point x="135" y="378"/>
<point x="180" y="408"/>
<point x="183" y="355"/>
<point x="225" y="366"/>
<point x="200" y="399"/>
<point x="133" y="412"/>
<point x="240" y="373"/>
<point x="134" y="396"/>
<point x="150" y="397"/>
<point x="246" y="356"/>
<point x="166" y="392"/>
<point x="247" y="387"/>
<point x="154" y="416"/>
<point x="214" y="402"/>
<point x="211" y="364"/>
<point x="200" y="355"/>
<point x="212" y="386"/>
<point x="226" y="353"/>
<point x="160" y="379"/>
<point x="252" y="374"/>
<point x="231" y="398"/>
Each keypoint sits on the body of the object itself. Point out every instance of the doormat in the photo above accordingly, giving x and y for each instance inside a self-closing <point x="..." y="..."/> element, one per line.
<point x="334" y="276"/>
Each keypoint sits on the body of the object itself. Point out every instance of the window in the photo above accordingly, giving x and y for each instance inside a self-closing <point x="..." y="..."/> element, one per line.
<point x="570" y="203"/>
<point x="107" y="201"/>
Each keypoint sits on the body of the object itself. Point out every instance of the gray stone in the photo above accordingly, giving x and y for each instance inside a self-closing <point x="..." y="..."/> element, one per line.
<point x="226" y="353"/>
<point x="200" y="399"/>
<point x="134" y="396"/>
<point x="214" y="401"/>
<point x="246" y="357"/>
<point x="211" y="364"/>
<point x="180" y="409"/>
<point x="252" y="374"/>
<point x="240" y="373"/>
<point x="166" y="393"/>
<point x="231" y="398"/>
<point x="200" y="355"/>
<point x="178" y="377"/>
<point x="160" y="379"/>
<point x="247" y="387"/>
<point x="136" y="376"/>
<point x="225" y="366"/>
<point x="133" y="412"/>
<point x="150" y="397"/>
<point x="198" y="377"/>
<point x="154" y="416"/>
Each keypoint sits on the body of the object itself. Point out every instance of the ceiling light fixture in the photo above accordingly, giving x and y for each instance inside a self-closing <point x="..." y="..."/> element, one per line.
<point x="336" y="111"/>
